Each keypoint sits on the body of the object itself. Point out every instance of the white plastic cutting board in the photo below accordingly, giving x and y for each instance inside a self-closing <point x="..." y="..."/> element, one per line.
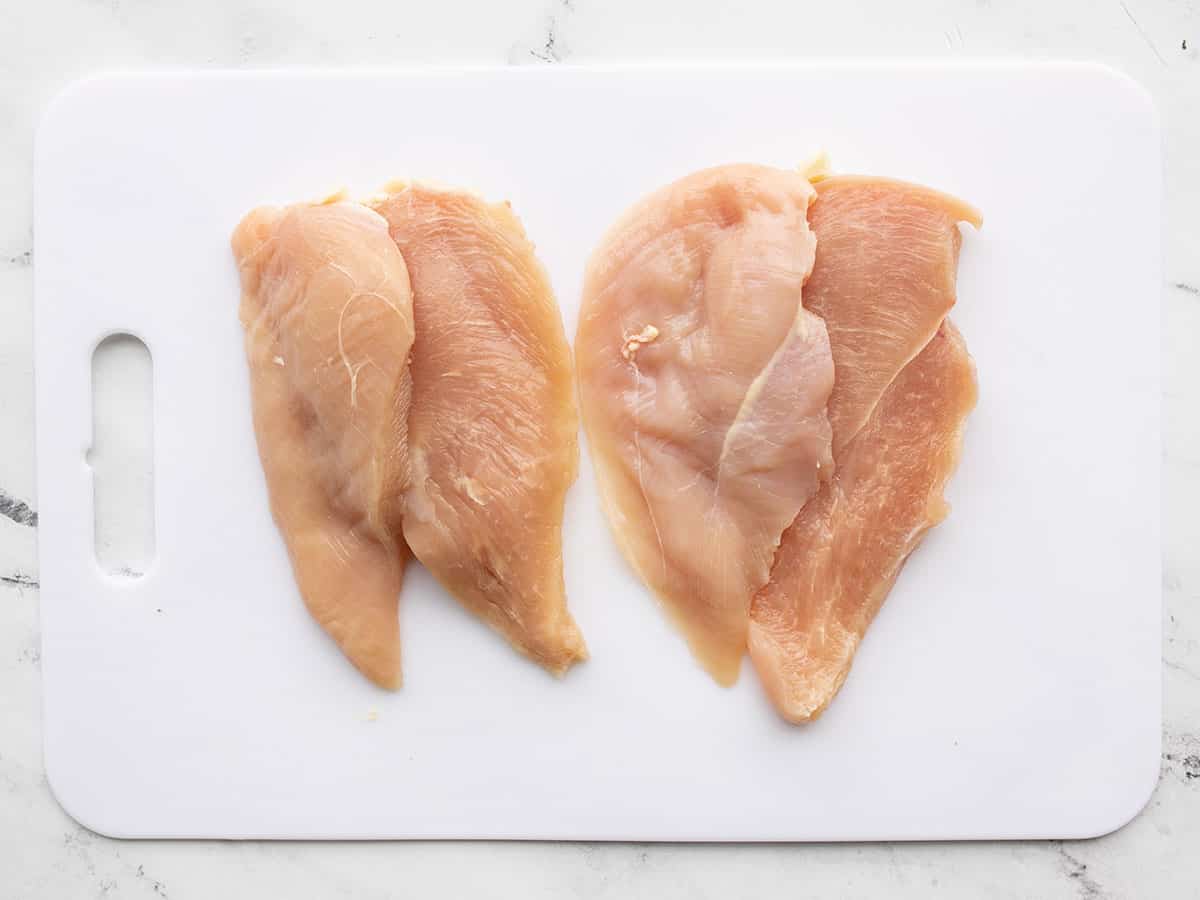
<point x="1009" y="688"/>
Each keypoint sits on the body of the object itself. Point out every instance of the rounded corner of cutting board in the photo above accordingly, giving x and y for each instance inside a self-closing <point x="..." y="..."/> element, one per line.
<point x="80" y="809"/>
<point x="1129" y="803"/>
<point x="64" y="106"/>
<point x="1122" y="83"/>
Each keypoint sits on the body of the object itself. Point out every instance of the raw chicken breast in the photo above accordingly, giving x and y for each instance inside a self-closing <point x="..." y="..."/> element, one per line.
<point x="887" y="253"/>
<point x="328" y="318"/>
<point x="842" y="555"/>
<point x="703" y="383"/>
<point x="493" y="430"/>
<point x="884" y="279"/>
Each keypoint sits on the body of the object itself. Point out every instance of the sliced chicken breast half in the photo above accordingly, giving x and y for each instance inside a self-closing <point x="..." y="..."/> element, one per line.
<point x="703" y="383"/>
<point x="883" y="281"/>
<point x="842" y="556"/>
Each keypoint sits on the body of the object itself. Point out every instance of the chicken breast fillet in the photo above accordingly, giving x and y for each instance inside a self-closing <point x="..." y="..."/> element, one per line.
<point x="328" y="317"/>
<point x="703" y="384"/>
<point x="883" y="281"/>
<point x="843" y="554"/>
<point x="493" y="430"/>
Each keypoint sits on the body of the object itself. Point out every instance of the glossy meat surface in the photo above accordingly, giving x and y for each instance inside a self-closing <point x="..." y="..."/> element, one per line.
<point x="841" y="557"/>
<point x="703" y="383"/>
<point x="884" y="279"/>
<point x="327" y="311"/>
<point x="493" y="430"/>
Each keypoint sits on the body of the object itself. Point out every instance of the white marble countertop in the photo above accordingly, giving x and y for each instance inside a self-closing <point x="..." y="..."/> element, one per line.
<point x="44" y="854"/>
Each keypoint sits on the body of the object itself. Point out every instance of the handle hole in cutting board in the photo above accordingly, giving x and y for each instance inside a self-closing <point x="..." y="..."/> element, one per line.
<point x="122" y="455"/>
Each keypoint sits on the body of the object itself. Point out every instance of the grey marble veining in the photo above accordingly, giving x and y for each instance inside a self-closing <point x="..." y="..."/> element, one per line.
<point x="43" y="854"/>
